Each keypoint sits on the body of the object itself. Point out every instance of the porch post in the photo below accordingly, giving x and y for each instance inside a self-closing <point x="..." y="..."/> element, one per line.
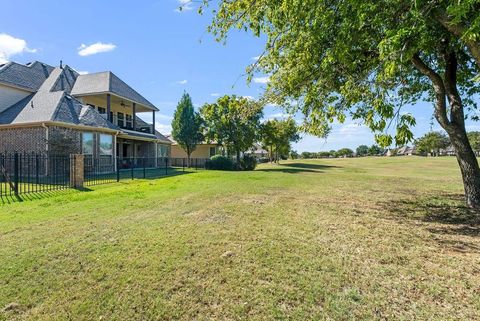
<point x="156" y="154"/>
<point x="153" y="124"/>
<point x="134" y="122"/>
<point x="115" y="151"/>
<point x="109" y="108"/>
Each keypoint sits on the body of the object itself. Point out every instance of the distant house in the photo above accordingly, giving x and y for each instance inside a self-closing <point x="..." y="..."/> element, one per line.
<point x="203" y="150"/>
<point x="449" y="151"/>
<point x="258" y="152"/>
<point x="55" y="110"/>
<point x="406" y="151"/>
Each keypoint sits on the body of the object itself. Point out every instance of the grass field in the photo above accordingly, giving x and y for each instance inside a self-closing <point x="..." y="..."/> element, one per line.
<point x="341" y="239"/>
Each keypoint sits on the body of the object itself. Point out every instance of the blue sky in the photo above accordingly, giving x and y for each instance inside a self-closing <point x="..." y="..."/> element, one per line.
<point x="158" y="51"/>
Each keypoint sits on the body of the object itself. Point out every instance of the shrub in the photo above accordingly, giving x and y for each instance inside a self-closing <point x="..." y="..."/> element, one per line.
<point x="248" y="163"/>
<point x="219" y="162"/>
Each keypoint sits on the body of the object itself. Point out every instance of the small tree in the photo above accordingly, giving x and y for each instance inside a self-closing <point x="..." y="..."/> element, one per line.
<point x="234" y="122"/>
<point x="374" y="150"/>
<point x="186" y="126"/>
<point x="432" y="143"/>
<point x="277" y="136"/>
<point x="362" y="150"/>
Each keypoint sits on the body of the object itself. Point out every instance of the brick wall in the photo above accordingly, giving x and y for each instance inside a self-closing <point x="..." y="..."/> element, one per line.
<point x="22" y="140"/>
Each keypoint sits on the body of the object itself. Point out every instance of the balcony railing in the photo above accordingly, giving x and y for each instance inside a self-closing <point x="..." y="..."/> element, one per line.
<point x="129" y="125"/>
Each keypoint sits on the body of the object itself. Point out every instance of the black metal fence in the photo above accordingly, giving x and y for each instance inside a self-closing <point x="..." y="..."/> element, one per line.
<point x="107" y="169"/>
<point x="36" y="173"/>
<point x="33" y="173"/>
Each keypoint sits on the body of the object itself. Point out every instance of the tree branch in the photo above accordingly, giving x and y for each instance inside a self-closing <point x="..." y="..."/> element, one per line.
<point x="459" y="31"/>
<point x="439" y="88"/>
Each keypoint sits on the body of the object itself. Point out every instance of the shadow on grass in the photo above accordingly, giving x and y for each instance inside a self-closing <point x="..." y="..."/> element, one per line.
<point x="33" y="196"/>
<point x="299" y="168"/>
<point x="445" y="216"/>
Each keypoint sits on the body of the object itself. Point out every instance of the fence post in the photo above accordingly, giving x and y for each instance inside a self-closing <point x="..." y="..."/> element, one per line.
<point x="196" y="163"/>
<point x="131" y="166"/>
<point x="15" y="174"/>
<point x="166" y="165"/>
<point x="183" y="165"/>
<point x="77" y="170"/>
<point x="118" y="168"/>
<point x="144" y="173"/>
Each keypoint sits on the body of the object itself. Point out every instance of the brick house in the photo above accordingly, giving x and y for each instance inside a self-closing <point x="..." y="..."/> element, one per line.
<point x="55" y="110"/>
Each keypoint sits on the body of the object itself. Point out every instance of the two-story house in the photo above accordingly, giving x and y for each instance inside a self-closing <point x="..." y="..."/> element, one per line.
<point x="55" y="110"/>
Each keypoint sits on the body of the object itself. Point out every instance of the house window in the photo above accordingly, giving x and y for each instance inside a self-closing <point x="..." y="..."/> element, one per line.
<point x="129" y="122"/>
<point x="163" y="151"/>
<point x="213" y="151"/>
<point x="87" y="143"/>
<point x="106" y="144"/>
<point x="102" y="110"/>
<point x="120" y="119"/>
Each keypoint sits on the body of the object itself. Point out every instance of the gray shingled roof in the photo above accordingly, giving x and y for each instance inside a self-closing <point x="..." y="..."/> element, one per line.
<point x="107" y="82"/>
<point x="47" y="104"/>
<point x="29" y="77"/>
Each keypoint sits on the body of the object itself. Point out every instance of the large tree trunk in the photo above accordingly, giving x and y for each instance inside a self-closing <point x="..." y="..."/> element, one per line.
<point x="446" y="88"/>
<point x="468" y="166"/>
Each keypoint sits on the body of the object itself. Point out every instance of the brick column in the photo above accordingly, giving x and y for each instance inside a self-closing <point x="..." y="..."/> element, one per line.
<point x="77" y="169"/>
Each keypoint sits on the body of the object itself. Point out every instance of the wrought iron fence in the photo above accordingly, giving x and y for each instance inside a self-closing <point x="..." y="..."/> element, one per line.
<point x="38" y="172"/>
<point x="114" y="169"/>
<point x="33" y="173"/>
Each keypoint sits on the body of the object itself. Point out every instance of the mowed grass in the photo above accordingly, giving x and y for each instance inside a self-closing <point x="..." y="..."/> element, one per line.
<point x="340" y="239"/>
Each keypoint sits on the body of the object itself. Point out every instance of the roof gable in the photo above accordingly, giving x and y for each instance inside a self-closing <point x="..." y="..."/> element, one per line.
<point x="29" y="77"/>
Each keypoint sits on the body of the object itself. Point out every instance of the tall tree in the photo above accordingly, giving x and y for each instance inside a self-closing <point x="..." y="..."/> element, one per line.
<point x="186" y="126"/>
<point x="233" y="122"/>
<point x="432" y="143"/>
<point x="277" y="136"/>
<point x="375" y="150"/>
<point x="367" y="59"/>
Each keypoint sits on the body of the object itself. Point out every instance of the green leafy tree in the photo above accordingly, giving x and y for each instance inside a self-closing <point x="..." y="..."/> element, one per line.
<point x="234" y="122"/>
<point x="474" y="138"/>
<point x="277" y="136"/>
<point x="432" y="143"/>
<point x="367" y="59"/>
<point x="187" y="126"/>
<point x="375" y="150"/>
<point x="362" y="150"/>
<point x="344" y="152"/>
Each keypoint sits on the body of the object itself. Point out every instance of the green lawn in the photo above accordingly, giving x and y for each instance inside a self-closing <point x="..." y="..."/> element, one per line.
<point x="342" y="239"/>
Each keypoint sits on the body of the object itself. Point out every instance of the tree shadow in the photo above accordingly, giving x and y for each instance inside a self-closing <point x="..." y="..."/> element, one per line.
<point x="454" y="225"/>
<point x="293" y="168"/>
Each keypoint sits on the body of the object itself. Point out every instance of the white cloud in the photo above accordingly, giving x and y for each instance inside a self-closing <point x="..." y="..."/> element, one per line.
<point x="249" y="97"/>
<point x="255" y="58"/>
<point x="261" y="80"/>
<point x="184" y="5"/>
<point x="95" y="48"/>
<point x="82" y="72"/>
<point x="181" y="82"/>
<point x="215" y="94"/>
<point x="163" y="128"/>
<point x="10" y="46"/>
